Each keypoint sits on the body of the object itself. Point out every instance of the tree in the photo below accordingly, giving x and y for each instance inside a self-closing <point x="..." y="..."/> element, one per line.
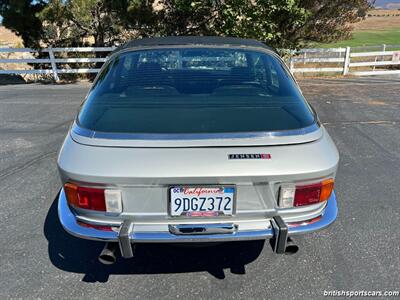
<point x="280" y="23"/>
<point x="181" y="17"/>
<point x="56" y="29"/>
<point x="140" y="18"/>
<point x="325" y="21"/>
<point x="77" y="22"/>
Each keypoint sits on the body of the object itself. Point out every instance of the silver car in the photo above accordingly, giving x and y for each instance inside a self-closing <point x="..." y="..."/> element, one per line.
<point x="195" y="140"/>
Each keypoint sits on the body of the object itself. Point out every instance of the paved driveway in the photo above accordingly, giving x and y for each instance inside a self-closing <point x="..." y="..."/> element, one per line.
<point x="359" y="252"/>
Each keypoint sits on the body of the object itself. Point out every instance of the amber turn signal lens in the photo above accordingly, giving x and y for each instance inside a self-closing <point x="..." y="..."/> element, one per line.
<point x="71" y="191"/>
<point x="326" y="189"/>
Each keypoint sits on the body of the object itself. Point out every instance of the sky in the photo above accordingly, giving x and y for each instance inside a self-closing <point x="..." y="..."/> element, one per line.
<point x="390" y="4"/>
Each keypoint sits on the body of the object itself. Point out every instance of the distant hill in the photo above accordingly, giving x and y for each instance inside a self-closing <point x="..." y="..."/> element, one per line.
<point x="388" y="4"/>
<point x="8" y="38"/>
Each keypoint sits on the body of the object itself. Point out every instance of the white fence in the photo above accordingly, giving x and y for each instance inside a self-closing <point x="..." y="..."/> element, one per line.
<point x="346" y="61"/>
<point x="52" y="60"/>
<point x="354" y="61"/>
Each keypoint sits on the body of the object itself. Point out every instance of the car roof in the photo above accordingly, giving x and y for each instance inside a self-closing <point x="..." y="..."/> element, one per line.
<point x="192" y="40"/>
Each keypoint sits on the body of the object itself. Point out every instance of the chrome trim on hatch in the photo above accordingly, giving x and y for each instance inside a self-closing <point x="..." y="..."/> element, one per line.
<point x="69" y="223"/>
<point x="190" y="136"/>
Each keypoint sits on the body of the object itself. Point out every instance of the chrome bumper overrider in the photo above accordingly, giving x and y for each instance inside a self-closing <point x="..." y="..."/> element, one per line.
<point x="186" y="233"/>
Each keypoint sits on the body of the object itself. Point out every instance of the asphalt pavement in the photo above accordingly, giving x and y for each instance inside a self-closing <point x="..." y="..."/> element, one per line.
<point x="360" y="251"/>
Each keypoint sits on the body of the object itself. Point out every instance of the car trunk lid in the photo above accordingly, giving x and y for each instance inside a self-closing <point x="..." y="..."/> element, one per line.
<point x="285" y="137"/>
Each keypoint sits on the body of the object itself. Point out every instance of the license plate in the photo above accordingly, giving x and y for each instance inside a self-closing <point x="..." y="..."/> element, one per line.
<point x="201" y="201"/>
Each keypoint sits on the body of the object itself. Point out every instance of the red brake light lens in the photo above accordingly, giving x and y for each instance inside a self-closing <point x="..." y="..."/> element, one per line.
<point x="313" y="193"/>
<point x="85" y="197"/>
<point x="307" y="194"/>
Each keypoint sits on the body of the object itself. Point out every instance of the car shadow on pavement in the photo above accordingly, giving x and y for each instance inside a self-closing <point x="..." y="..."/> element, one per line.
<point x="76" y="255"/>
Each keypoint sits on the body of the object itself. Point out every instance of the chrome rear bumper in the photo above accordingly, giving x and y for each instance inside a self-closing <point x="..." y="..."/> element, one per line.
<point x="188" y="233"/>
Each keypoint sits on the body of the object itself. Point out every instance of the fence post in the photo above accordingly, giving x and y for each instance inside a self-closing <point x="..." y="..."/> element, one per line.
<point x="346" y="65"/>
<point x="376" y="57"/>
<point x="53" y="64"/>
<point x="291" y="61"/>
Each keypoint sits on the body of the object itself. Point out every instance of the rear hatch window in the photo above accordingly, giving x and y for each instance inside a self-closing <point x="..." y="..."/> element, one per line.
<point x="194" y="90"/>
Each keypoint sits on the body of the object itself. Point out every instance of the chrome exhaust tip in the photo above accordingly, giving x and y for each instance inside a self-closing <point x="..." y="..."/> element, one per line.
<point x="108" y="254"/>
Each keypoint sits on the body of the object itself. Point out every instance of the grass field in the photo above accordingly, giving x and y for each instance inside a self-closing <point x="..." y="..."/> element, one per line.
<point x="380" y="27"/>
<point x="369" y="38"/>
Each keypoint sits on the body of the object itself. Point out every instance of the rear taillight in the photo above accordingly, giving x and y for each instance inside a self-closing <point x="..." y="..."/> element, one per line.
<point x="93" y="198"/>
<point x="300" y="195"/>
